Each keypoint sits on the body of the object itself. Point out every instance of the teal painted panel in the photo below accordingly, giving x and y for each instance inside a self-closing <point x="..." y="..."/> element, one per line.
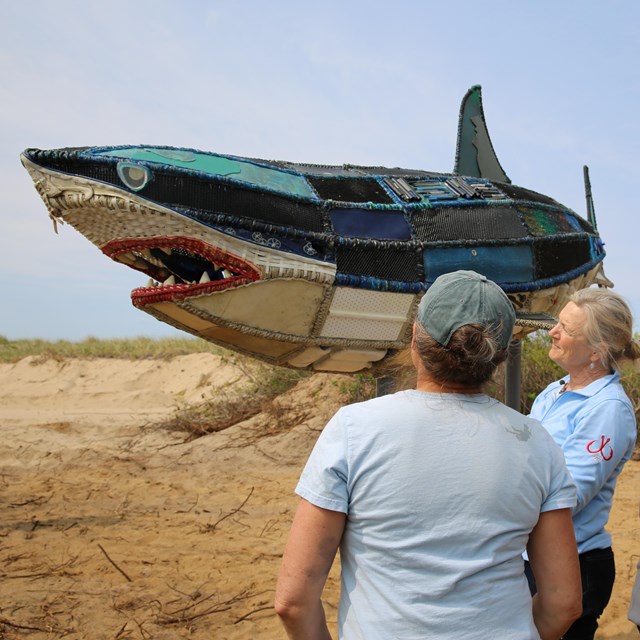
<point x="275" y="179"/>
<point x="501" y="264"/>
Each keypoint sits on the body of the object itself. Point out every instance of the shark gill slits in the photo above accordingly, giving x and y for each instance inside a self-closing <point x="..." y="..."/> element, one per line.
<point x="134" y="176"/>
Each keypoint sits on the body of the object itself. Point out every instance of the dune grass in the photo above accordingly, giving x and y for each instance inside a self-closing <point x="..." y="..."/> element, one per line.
<point x="125" y="348"/>
<point x="537" y="371"/>
<point x="231" y="406"/>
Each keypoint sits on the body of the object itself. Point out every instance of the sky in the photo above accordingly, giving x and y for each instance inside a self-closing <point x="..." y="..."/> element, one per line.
<point x="338" y="82"/>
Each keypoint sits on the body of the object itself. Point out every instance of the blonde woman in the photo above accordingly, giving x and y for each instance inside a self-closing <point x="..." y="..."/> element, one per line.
<point x="590" y="416"/>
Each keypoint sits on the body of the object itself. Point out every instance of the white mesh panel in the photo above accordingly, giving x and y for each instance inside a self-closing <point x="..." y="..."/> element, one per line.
<point x="361" y="314"/>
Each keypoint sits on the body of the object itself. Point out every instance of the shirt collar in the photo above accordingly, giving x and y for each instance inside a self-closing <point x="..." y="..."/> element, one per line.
<point x="597" y="385"/>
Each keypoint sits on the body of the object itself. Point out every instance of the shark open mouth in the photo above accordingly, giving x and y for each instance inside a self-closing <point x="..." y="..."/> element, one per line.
<point x="179" y="267"/>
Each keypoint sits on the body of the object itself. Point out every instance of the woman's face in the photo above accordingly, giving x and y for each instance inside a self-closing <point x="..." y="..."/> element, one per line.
<point x="569" y="348"/>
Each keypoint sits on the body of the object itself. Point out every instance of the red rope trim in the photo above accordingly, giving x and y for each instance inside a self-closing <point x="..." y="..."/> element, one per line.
<point x="115" y="248"/>
<point x="143" y="296"/>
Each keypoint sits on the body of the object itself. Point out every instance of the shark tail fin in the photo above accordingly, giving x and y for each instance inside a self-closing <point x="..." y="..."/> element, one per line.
<point x="474" y="152"/>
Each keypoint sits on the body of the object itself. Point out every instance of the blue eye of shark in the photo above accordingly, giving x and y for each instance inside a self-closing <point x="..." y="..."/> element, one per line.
<point x="134" y="176"/>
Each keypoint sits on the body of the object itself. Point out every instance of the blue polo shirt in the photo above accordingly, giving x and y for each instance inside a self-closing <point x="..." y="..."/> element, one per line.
<point x="596" y="428"/>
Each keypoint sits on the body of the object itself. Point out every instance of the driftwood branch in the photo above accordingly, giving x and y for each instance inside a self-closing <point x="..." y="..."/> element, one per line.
<point x="250" y="613"/>
<point x="189" y="613"/>
<point x="211" y="527"/>
<point x="14" y="625"/>
<point x="41" y="574"/>
<point x="106" y="555"/>
<point x="39" y="500"/>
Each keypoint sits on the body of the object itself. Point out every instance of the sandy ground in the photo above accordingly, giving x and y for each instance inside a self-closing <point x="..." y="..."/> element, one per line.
<point x="112" y="528"/>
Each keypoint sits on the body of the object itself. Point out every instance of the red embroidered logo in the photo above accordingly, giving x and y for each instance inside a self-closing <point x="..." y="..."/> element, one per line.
<point x="595" y="448"/>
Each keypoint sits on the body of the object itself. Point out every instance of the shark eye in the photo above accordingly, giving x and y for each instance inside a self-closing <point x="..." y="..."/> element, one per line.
<point x="134" y="176"/>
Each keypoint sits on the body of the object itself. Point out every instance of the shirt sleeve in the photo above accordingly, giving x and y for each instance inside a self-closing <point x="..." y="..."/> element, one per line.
<point x="562" y="488"/>
<point x="324" y="478"/>
<point x="600" y="441"/>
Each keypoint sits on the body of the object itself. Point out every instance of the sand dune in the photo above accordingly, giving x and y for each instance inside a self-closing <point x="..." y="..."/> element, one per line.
<point x="113" y="528"/>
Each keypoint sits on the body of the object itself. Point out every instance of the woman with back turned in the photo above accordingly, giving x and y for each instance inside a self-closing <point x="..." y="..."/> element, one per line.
<point x="590" y="416"/>
<point x="432" y="495"/>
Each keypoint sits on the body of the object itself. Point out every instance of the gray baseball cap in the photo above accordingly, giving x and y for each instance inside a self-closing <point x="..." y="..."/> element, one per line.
<point x="465" y="297"/>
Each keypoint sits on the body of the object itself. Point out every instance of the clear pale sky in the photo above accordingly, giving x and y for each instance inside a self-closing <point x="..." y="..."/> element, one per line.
<point x="361" y="81"/>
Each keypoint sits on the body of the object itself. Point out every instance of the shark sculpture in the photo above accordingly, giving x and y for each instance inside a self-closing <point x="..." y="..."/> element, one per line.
<point x="312" y="266"/>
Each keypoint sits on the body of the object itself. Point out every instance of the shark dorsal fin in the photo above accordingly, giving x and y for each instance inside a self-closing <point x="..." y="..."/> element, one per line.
<point x="474" y="152"/>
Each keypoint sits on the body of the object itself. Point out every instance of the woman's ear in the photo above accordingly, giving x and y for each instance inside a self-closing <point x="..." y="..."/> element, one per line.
<point x="598" y="357"/>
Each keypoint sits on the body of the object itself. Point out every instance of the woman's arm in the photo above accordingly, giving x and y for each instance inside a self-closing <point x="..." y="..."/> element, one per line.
<point x="553" y="556"/>
<point x="313" y="541"/>
<point x="602" y="438"/>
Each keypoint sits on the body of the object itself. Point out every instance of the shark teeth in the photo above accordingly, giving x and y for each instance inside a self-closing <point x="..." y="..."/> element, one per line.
<point x="175" y="266"/>
<point x="204" y="279"/>
<point x="146" y="258"/>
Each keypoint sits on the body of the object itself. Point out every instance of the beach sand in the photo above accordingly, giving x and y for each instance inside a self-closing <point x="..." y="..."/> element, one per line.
<point x="114" y="528"/>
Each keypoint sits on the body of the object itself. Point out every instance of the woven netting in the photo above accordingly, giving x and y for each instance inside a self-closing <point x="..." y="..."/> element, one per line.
<point x="545" y="222"/>
<point x="560" y="256"/>
<point x="375" y="262"/>
<point x="348" y="190"/>
<point x="520" y="193"/>
<point x="468" y="223"/>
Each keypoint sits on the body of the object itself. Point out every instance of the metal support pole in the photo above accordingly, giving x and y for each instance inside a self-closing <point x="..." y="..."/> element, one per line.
<point x="513" y="375"/>
<point x="384" y="386"/>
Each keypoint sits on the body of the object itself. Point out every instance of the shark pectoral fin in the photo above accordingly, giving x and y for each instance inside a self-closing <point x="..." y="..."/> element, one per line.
<point x="474" y="152"/>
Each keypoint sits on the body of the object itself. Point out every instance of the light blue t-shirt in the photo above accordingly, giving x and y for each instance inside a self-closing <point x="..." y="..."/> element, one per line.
<point x="596" y="428"/>
<point x="441" y="492"/>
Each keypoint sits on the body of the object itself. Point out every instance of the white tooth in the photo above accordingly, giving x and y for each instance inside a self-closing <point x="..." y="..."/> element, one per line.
<point x="170" y="280"/>
<point x="151" y="283"/>
<point x="226" y="273"/>
<point x="165" y="250"/>
<point x="215" y="266"/>
<point x="205" y="277"/>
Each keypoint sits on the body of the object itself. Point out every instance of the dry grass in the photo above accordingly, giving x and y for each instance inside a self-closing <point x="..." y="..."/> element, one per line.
<point x="231" y="406"/>
<point x="268" y="381"/>
<point x="125" y="348"/>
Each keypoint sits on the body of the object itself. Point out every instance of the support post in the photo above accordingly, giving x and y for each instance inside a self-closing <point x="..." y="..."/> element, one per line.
<point x="384" y="386"/>
<point x="513" y="375"/>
